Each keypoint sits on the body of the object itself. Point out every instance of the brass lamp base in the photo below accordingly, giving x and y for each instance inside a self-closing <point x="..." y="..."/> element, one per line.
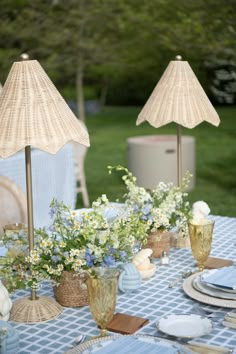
<point x="31" y="311"/>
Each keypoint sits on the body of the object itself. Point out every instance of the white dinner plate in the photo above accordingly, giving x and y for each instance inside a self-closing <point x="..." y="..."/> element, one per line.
<point x="185" y="326"/>
<point x="93" y="345"/>
<point x="212" y="291"/>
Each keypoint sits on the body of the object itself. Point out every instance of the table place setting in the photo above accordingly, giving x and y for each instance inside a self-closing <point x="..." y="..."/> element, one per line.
<point x="129" y="344"/>
<point x="223" y="279"/>
<point x="213" y="287"/>
<point x="125" y="310"/>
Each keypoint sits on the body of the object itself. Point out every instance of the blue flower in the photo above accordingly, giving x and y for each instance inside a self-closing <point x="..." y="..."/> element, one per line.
<point x="55" y="259"/>
<point x="52" y="212"/>
<point x="56" y="250"/>
<point x="123" y="254"/>
<point x="135" y="208"/>
<point x="108" y="261"/>
<point x="89" y="258"/>
<point x="66" y="254"/>
<point x="146" y="209"/>
<point x="111" y="250"/>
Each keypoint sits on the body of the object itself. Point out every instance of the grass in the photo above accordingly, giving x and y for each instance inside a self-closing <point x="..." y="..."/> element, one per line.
<point x="215" y="155"/>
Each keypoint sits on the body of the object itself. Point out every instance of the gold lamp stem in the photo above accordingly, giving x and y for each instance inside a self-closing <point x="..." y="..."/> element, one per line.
<point x="29" y="205"/>
<point x="179" y="155"/>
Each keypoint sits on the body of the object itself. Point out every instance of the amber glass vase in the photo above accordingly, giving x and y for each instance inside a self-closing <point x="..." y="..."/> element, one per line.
<point x="102" y="289"/>
<point x="200" y="239"/>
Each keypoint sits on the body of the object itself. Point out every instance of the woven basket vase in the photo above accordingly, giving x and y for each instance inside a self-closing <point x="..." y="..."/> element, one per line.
<point x="72" y="290"/>
<point x="158" y="241"/>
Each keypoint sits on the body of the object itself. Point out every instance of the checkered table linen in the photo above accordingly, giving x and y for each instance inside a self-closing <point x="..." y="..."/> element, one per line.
<point x="153" y="300"/>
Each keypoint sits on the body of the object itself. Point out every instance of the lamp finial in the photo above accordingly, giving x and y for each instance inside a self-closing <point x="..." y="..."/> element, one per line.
<point x="178" y="57"/>
<point x="24" y="56"/>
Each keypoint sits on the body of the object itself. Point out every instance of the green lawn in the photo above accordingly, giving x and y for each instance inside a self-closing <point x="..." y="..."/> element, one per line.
<point x="215" y="155"/>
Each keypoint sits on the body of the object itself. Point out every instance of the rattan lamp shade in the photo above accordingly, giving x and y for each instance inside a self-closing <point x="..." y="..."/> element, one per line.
<point x="178" y="97"/>
<point x="32" y="112"/>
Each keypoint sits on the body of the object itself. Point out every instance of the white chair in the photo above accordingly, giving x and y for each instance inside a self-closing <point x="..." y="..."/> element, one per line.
<point x="13" y="203"/>
<point x="80" y="152"/>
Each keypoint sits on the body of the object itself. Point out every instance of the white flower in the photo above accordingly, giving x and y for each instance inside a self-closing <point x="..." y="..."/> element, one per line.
<point x="200" y="211"/>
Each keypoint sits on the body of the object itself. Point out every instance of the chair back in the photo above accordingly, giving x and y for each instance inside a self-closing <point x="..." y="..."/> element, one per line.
<point x="13" y="203"/>
<point x="80" y="152"/>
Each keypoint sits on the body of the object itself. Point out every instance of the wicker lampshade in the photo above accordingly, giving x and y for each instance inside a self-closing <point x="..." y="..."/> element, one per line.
<point x="32" y="112"/>
<point x="178" y="97"/>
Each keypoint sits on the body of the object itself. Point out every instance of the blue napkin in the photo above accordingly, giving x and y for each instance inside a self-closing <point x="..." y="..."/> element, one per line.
<point x="223" y="277"/>
<point x="131" y="345"/>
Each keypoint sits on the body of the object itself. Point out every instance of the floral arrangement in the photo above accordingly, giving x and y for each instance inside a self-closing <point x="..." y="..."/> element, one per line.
<point x="73" y="243"/>
<point x="13" y="268"/>
<point x="163" y="208"/>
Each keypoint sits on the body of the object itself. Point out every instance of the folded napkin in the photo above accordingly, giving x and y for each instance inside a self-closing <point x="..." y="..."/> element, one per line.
<point x="131" y="345"/>
<point x="224" y="277"/>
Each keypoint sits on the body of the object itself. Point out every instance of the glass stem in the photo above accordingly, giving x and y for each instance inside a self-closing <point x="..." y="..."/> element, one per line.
<point x="103" y="332"/>
<point x="201" y="267"/>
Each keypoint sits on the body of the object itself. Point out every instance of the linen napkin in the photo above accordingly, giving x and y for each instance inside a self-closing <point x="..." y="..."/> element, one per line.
<point x="224" y="277"/>
<point x="131" y="345"/>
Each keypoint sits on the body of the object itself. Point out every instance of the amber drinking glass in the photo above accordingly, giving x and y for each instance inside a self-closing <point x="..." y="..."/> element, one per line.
<point x="102" y="289"/>
<point x="200" y="239"/>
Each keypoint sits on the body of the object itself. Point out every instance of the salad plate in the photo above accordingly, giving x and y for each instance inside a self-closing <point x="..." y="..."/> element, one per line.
<point x="128" y="345"/>
<point x="185" y="326"/>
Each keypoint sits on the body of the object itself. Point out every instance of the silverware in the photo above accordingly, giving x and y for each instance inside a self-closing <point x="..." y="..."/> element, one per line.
<point x="231" y="314"/>
<point x="229" y="324"/>
<point x="208" y="348"/>
<point x="198" y="347"/>
<point x="184" y="275"/>
<point x="80" y="339"/>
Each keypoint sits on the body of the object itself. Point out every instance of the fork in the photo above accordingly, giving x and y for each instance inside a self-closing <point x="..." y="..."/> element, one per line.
<point x="184" y="275"/>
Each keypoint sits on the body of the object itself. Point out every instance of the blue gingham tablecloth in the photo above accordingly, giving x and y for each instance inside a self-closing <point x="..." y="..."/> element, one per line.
<point x="53" y="176"/>
<point x="153" y="300"/>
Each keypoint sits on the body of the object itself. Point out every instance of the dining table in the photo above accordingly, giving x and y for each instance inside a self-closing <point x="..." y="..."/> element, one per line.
<point x="153" y="300"/>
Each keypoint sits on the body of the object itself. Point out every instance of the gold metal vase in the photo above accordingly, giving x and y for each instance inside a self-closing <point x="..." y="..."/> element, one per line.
<point x="201" y="239"/>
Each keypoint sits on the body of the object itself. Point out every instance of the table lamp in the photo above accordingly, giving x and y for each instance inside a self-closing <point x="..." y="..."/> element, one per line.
<point x="178" y="97"/>
<point x="34" y="114"/>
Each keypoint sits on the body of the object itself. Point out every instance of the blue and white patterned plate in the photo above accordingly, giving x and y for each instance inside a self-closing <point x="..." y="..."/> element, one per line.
<point x="103" y="345"/>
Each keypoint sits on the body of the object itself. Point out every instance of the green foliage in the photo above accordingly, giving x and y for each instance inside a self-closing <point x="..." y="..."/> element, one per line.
<point x="123" y="45"/>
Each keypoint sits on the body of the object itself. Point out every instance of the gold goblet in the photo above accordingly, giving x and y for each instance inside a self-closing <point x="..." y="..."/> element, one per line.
<point x="200" y="239"/>
<point x="102" y="289"/>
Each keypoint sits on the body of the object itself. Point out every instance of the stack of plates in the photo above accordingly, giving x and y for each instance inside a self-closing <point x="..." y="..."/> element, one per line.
<point x="202" y="284"/>
<point x="215" y="287"/>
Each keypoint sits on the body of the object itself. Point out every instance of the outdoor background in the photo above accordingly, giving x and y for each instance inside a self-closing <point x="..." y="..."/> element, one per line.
<point x="106" y="56"/>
